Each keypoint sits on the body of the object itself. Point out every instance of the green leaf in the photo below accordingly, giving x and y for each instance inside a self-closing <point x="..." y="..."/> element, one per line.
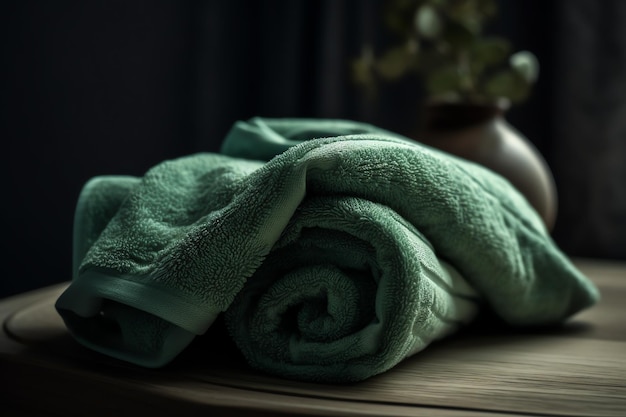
<point x="470" y="13"/>
<point x="362" y="67"/>
<point x="395" y="62"/>
<point x="458" y="36"/>
<point x="461" y="10"/>
<point x="507" y="83"/>
<point x="490" y="51"/>
<point x="443" y="81"/>
<point x="526" y="64"/>
<point x="428" y="23"/>
<point x="487" y="8"/>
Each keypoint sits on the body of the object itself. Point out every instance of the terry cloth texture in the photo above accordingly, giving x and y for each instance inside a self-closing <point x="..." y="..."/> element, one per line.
<point x="335" y="249"/>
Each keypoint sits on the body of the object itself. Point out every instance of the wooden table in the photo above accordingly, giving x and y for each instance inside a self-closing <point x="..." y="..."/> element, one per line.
<point x="576" y="370"/>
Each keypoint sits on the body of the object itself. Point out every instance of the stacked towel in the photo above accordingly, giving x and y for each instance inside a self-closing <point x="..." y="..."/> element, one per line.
<point x="335" y="249"/>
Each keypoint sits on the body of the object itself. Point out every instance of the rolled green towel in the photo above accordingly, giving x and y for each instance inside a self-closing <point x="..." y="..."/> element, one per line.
<point x="335" y="248"/>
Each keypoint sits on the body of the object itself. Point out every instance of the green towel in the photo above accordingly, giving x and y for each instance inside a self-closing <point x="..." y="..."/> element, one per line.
<point x="335" y="249"/>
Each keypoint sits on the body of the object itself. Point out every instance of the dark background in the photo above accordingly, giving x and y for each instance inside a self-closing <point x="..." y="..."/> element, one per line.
<point x="114" y="87"/>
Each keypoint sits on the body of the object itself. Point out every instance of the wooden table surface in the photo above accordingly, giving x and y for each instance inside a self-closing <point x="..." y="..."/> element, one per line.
<point x="578" y="369"/>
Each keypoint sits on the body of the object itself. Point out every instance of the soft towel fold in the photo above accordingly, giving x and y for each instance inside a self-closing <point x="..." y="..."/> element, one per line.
<point x="349" y="250"/>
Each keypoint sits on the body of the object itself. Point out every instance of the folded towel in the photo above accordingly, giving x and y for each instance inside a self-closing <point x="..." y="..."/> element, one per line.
<point x="335" y="248"/>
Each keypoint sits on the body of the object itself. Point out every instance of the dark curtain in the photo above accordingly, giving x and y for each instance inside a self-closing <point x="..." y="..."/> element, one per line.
<point x="286" y="59"/>
<point x="114" y="87"/>
<point x="589" y="156"/>
<point x="86" y="88"/>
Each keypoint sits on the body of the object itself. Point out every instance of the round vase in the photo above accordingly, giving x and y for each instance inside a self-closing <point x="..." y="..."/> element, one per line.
<point x="480" y="133"/>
